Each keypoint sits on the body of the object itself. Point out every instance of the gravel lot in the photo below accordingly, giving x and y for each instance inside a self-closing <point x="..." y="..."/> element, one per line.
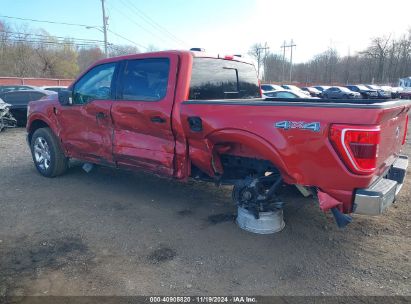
<point x="112" y="232"/>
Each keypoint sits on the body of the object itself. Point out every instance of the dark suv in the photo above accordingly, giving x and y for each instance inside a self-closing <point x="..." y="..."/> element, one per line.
<point x="340" y="93"/>
<point x="365" y="92"/>
<point x="19" y="100"/>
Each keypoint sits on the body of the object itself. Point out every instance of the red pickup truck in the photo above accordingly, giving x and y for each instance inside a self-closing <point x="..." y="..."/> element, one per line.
<point x="185" y="114"/>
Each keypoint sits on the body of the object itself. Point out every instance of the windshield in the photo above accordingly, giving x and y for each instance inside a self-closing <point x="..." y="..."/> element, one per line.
<point x="213" y="78"/>
<point x="371" y="86"/>
<point x="345" y="89"/>
<point x="362" y="87"/>
<point x="293" y="87"/>
<point x="314" y="90"/>
<point x="300" y="94"/>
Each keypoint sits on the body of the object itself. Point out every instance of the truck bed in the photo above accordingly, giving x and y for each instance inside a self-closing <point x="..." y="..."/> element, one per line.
<point x="309" y="102"/>
<point x="304" y="156"/>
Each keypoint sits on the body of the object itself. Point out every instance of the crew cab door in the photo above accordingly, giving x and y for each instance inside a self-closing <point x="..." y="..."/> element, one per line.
<point x="141" y="114"/>
<point x="85" y="125"/>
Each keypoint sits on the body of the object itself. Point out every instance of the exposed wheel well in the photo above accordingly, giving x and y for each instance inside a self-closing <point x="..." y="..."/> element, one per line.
<point x="37" y="124"/>
<point x="237" y="168"/>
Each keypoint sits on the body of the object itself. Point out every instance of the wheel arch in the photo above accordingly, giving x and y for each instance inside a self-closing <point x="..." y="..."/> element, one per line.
<point x="243" y="143"/>
<point x="34" y="124"/>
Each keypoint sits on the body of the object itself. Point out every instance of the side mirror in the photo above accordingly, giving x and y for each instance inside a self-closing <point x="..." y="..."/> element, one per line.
<point x="65" y="97"/>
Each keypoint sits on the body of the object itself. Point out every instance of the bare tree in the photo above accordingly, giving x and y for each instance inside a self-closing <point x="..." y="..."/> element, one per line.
<point x="257" y="51"/>
<point x="87" y="56"/>
<point x="121" y="50"/>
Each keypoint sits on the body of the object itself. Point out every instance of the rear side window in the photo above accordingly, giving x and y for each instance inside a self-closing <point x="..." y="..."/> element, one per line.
<point x="36" y="95"/>
<point x="17" y="98"/>
<point x="145" y="79"/>
<point x="223" y="79"/>
<point x="285" y="95"/>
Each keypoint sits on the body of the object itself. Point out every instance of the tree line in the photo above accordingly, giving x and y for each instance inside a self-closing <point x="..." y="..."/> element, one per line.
<point x="25" y="52"/>
<point x="384" y="61"/>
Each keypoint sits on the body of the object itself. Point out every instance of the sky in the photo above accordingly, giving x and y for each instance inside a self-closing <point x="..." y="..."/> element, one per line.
<point x="222" y="26"/>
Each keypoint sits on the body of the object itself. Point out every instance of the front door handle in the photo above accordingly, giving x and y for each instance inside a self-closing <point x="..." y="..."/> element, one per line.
<point x="101" y="115"/>
<point x="158" y="119"/>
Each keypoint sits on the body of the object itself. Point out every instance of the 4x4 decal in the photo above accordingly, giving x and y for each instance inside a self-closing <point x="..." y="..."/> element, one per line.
<point x="286" y="125"/>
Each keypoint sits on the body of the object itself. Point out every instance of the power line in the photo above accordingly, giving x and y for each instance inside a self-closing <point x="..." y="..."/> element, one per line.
<point x="72" y="24"/>
<point x="120" y="36"/>
<point x="47" y="42"/>
<point x="133" y="21"/>
<point x="51" y="36"/>
<point x="47" y="21"/>
<point x="153" y="23"/>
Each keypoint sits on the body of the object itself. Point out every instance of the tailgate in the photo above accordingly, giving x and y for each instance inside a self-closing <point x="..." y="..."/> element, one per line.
<point x="393" y="130"/>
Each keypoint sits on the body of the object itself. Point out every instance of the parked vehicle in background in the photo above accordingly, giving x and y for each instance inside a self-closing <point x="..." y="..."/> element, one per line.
<point x="7" y="88"/>
<point x="395" y="91"/>
<point x="286" y="94"/>
<point x="19" y="100"/>
<point x="53" y="88"/>
<point x="294" y="88"/>
<point x="6" y="118"/>
<point x="405" y="94"/>
<point x="405" y="82"/>
<point x="321" y="88"/>
<point x="312" y="91"/>
<point x="340" y="93"/>
<point x="381" y="92"/>
<point x="365" y="92"/>
<point x="270" y="87"/>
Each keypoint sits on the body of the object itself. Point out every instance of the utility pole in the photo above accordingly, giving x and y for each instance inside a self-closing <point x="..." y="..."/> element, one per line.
<point x="259" y="50"/>
<point x="292" y="45"/>
<point x="266" y="48"/>
<point x="284" y="46"/>
<point x="104" y="28"/>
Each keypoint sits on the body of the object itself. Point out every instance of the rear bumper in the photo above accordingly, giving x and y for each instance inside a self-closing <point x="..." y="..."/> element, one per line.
<point x="375" y="199"/>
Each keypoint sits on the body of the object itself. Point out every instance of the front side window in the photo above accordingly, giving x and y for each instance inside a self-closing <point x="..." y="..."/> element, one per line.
<point x="214" y="78"/>
<point x="145" y="79"/>
<point x="95" y="84"/>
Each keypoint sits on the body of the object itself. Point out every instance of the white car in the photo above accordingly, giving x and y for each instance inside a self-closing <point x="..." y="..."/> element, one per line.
<point x="295" y="89"/>
<point x="270" y="87"/>
<point x="287" y="94"/>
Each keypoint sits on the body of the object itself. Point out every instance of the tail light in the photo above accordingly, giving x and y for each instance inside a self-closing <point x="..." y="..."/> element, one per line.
<point x="405" y="130"/>
<point x="357" y="146"/>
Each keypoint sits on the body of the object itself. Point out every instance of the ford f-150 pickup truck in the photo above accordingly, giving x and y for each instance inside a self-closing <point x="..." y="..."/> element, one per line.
<point x="184" y="114"/>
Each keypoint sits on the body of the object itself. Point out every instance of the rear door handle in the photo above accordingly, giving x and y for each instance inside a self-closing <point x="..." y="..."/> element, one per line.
<point x="158" y="119"/>
<point x="101" y="115"/>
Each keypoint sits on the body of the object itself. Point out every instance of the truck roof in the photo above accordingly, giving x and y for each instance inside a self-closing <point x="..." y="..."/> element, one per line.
<point x="196" y="54"/>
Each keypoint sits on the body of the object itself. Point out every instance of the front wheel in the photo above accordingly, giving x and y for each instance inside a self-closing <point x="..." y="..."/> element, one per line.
<point x="47" y="154"/>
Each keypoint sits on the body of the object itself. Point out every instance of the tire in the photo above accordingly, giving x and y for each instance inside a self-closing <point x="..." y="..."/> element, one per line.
<point x="48" y="157"/>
